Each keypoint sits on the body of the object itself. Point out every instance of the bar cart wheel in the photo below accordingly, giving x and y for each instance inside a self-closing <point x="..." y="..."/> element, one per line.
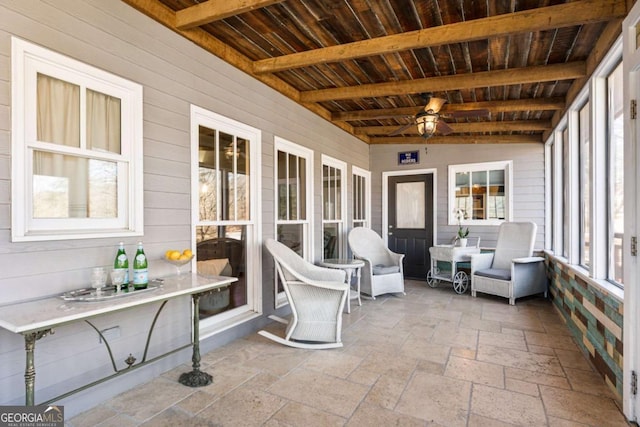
<point x="460" y="282"/>
<point x="431" y="280"/>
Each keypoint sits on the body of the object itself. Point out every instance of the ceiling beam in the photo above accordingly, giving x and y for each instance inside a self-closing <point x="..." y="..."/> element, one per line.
<point x="540" y="73"/>
<point x="459" y="139"/>
<point x="167" y="17"/>
<point x="216" y="10"/>
<point x="544" y="18"/>
<point x="601" y="49"/>
<point x="511" y="105"/>
<point x="468" y="127"/>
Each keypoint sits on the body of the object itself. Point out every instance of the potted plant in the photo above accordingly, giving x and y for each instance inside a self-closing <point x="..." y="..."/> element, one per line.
<point x="462" y="232"/>
<point x="462" y="236"/>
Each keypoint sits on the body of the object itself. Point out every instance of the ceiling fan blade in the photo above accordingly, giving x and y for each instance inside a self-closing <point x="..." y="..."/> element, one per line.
<point x="401" y="129"/>
<point x="435" y="104"/>
<point x="468" y="113"/>
<point x="443" y="128"/>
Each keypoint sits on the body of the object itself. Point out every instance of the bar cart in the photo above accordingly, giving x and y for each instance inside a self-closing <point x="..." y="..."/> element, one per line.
<point x="452" y="255"/>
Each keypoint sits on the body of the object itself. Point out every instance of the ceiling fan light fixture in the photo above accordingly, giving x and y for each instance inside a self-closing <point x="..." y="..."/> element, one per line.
<point x="427" y="122"/>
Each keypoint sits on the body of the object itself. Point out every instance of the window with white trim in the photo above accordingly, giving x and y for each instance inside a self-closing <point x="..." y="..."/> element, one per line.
<point x="77" y="149"/>
<point x="481" y="191"/>
<point x="293" y="201"/>
<point x="333" y="207"/>
<point x="224" y="184"/>
<point x="615" y="170"/>
<point x="361" y="197"/>
<point x="586" y="166"/>
<point x="584" y="152"/>
<point x="566" y="193"/>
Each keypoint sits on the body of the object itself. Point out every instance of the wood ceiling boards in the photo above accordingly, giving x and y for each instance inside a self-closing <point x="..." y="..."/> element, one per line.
<point x="363" y="64"/>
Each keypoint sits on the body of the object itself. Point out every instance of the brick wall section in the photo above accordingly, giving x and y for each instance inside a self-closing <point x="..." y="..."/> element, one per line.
<point x="594" y="318"/>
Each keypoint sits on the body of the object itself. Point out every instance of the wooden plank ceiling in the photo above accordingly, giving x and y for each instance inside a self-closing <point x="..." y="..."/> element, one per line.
<point x="363" y="64"/>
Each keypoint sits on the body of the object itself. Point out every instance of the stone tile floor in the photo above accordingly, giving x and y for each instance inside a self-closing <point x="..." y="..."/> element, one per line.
<point x="430" y="358"/>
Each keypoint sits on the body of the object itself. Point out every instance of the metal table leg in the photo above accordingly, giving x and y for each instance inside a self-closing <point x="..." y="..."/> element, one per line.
<point x="196" y="378"/>
<point x="30" y="369"/>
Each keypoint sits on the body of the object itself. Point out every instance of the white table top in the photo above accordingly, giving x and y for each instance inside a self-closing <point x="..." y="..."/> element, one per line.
<point x="48" y="312"/>
<point x="342" y="263"/>
<point x="453" y="253"/>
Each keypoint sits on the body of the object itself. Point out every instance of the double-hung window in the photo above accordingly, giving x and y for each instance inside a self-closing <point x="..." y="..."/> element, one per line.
<point x="224" y="209"/>
<point x="77" y="149"/>
<point x="293" y="201"/>
<point x="361" y="197"/>
<point x="481" y="192"/>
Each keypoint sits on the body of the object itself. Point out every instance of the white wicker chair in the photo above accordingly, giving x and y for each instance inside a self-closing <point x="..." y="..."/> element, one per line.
<point x="511" y="271"/>
<point x="316" y="296"/>
<point x="382" y="272"/>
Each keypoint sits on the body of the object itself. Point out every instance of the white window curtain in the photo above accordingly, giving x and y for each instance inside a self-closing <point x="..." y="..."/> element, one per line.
<point x="67" y="186"/>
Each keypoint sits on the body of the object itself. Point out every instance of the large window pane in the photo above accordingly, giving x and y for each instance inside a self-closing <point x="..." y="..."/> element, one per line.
<point x="58" y="111"/>
<point x="291" y="170"/>
<point x="208" y="174"/>
<point x="585" y="185"/>
<point x="292" y="235"/>
<point x="103" y="122"/>
<point x="566" y="196"/>
<point x="332" y="201"/>
<point x="243" y="201"/>
<point x="73" y="187"/>
<point x="226" y="152"/>
<point x="551" y="197"/>
<point x="224" y="229"/>
<point x="292" y="184"/>
<point x="283" y="188"/>
<point x="481" y="192"/>
<point x="221" y="251"/>
<point x="616" y="176"/>
<point x="330" y="241"/>
<point x="360" y="197"/>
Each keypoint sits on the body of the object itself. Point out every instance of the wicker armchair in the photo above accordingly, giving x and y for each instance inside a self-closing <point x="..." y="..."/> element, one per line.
<point x="511" y="271"/>
<point x="316" y="296"/>
<point x="382" y="272"/>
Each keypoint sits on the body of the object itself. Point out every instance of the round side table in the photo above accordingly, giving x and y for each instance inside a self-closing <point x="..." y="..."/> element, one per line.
<point x="350" y="266"/>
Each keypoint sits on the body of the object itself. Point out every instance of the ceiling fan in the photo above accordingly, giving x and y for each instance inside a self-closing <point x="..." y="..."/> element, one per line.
<point x="428" y="120"/>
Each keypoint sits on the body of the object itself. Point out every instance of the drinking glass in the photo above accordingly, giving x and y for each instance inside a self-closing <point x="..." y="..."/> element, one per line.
<point x="117" y="278"/>
<point x="98" y="278"/>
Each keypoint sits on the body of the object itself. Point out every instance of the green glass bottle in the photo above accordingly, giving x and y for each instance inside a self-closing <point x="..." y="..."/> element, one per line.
<point x="140" y="271"/>
<point x="122" y="263"/>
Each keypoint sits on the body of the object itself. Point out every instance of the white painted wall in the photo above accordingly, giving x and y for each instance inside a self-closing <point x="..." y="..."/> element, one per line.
<point x="528" y="181"/>
<point x="175" y="73"/>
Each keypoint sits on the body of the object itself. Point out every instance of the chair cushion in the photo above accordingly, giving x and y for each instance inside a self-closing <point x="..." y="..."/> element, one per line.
<point x="214" y="267"/>
<point x="495" y="273"/>
<point x="380" y="269"/>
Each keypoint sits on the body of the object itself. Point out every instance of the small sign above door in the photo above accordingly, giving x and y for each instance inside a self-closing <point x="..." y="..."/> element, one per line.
<point x="408" y="158"/>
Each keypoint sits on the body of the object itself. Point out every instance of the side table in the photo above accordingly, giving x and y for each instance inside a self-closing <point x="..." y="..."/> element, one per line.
<point x="350" y="266"/>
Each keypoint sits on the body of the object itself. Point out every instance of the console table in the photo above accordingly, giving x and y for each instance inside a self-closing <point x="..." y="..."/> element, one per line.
<point x="37" y="319"/>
